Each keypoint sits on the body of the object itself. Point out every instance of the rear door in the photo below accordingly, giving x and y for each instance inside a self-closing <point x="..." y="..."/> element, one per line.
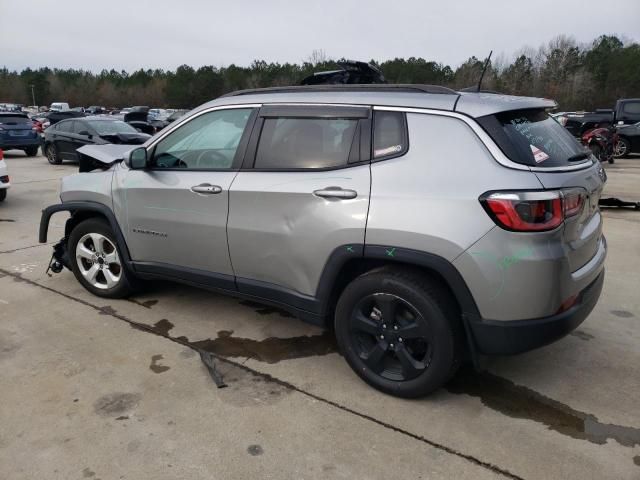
<point x="533" y="138"/>
<point x="303" y="193"/>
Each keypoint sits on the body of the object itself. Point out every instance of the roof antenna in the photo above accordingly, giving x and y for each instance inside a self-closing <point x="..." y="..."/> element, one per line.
<point x="484" y="69"/>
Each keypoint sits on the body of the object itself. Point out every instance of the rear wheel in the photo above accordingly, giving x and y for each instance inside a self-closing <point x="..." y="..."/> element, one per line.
<point x="622" y="148"/>
<point x="96" y="261"/>
<point x="31" y="151"/>
<point x="52" y="154"/>
<point x="399" y="331"/>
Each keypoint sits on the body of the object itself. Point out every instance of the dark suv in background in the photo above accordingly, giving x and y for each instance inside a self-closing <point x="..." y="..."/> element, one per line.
<point x="18" y="133"/>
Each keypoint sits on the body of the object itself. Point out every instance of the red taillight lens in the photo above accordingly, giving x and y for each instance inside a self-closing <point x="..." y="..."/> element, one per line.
<point x="533" y="211"/>
<point x="1" y="154"/>
<point x="573" y="201"/>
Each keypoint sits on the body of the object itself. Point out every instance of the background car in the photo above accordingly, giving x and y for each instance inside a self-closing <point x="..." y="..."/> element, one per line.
<point x="4" y="177"/>
<point x="628" y="140"/>
<point x="176" y="115"/>
<point x="63" y="139"/>
<point x="18" y="133"/>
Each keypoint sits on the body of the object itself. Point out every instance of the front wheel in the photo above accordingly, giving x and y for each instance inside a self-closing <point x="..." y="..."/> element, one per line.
<point x="96" y="261"/>
<point x="399" y="331"/>
<point x="52" y="154"/>
<point x="3" y="194"/>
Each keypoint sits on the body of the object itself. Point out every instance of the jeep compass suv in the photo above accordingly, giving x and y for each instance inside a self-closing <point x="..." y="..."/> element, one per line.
<point x="348" y="206"/>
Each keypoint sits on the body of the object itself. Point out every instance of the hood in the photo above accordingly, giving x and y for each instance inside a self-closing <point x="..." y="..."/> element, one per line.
<point x="102" y="156"/>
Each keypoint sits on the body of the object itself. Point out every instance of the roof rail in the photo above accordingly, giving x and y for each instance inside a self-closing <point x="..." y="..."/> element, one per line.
<point x="356" y="87"/>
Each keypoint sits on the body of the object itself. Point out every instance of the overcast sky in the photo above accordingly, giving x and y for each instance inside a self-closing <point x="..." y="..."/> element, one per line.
<point x="130" y="34"/>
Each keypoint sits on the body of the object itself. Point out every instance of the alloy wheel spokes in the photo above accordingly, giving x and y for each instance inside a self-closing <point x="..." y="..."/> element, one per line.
<point x="98" y="261"/>
<point x="374" y="358"/>
<point x="391" y="337"/>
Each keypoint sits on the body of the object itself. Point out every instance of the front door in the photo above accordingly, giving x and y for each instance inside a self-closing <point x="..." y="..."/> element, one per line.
<point x="177" y="208"/>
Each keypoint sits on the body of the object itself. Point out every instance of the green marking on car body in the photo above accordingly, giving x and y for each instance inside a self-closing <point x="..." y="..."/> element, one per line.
<point x="350" y="249"/>
<point x="391" y="252"/>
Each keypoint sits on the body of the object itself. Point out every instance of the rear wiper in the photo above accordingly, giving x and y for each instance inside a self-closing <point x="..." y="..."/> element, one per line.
<point x="578" y="156"/>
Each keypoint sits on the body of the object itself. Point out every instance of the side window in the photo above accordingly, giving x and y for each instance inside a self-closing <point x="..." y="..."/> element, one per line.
<point x="63" y="127"/>
<point x="309" y="143"/>
<point x="78" y="127"/>
<point x="389" y="134"/>
<point x="631" y="107"/>
<point x="209" y="141"/>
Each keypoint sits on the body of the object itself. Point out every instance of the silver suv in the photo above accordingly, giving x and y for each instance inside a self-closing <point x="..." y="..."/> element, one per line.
<point x="423" y="225"/>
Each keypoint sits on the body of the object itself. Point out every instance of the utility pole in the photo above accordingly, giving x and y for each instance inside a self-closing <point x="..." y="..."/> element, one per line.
<point x="33" y="95"/>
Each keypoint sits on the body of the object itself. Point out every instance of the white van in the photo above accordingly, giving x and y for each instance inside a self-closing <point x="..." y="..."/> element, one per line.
<point x="59" y="107"/>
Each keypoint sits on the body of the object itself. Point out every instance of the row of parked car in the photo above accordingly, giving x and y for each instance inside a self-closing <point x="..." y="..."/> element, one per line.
<point x="61" y="130"/>
<point x="609" y="133"/>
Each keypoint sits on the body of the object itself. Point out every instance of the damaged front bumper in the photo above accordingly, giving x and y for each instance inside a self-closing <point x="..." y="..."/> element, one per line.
<point x="60" y="257"/>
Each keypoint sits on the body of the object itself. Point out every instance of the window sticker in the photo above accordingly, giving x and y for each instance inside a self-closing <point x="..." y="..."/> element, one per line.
<point x="387" y="151"/>
<point x="538" y="155"/>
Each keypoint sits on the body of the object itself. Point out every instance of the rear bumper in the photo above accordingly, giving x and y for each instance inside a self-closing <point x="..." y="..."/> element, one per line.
<point x="510" y="337"/>
<point x="8" y="143"/>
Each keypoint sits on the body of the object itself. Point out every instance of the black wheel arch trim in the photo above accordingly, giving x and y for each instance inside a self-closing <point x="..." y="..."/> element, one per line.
<point x="404" y="256"/>
<point x="85" y="206"/>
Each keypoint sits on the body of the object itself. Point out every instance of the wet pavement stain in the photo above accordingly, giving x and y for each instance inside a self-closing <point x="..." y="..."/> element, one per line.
<point x="88" y="473"/>
<point x="622" y="313"/>
<point x="255" y="450"/>
<point x="636" y="460"/>
<point x="145" y="304"/>
<point x="161" y="327"/>
<point x="155" y="367"/>
<point x="107" y="310"/>
<point x="7" y="220"/>
<point x="269" y="350"/>
<point x="582" y="335"/>
<point x="116" y="403"/>
<point x="517" y="401"/>
<point x="264" y="309"/>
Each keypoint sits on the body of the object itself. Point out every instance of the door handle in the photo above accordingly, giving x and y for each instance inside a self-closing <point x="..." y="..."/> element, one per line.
<point x="335" y="192"/>
<point x="206" y="188"/>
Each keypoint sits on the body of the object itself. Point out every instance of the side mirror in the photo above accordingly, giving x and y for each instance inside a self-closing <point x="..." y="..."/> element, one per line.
<point x="137" y="158"/>
<point x="85" y="133"/>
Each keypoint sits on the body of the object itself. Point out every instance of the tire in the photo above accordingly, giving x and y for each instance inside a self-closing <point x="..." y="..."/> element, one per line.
<point x="51" y="152"/>
<point x="3" y="194"/>
<point x="92" y="247"/>
<point x="596" y="151"/>
<point x="425" y="313"/>
<point x="31" y="151"/>
<point x="622" y="148"/>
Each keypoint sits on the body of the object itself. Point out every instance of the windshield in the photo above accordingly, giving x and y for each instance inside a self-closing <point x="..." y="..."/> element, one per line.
<point x="107" y="127"/>
<point x="532" y="137"/>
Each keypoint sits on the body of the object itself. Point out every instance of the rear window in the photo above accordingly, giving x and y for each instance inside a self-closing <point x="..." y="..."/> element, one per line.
<point x="389" y="134"/>
<point x="533" y="138"/>
<point x="310" y="143"/>
<point x="7" y="118"/>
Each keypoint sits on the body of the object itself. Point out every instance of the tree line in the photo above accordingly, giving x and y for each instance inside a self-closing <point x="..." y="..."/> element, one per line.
<point x="578" y="77"/>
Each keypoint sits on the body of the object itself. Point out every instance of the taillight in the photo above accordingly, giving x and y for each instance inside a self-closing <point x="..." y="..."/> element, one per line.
<point x="573" y="201"/>
<point x="1" y="154"/>
<point x="533" y="211"/>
